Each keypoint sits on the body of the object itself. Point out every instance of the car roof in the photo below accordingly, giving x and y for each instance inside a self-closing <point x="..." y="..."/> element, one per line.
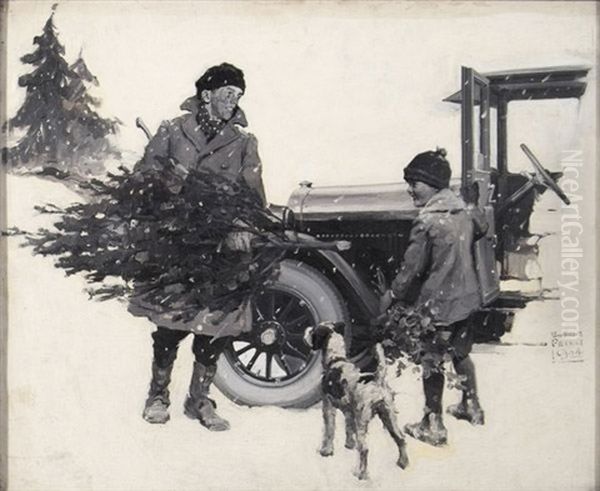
<point x="535" y="83"/>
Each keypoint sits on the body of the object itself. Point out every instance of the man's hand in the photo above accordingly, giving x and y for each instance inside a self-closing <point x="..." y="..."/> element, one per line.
<point x="239" y="241"/>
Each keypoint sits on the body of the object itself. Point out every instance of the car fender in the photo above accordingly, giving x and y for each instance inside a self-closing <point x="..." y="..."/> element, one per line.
<point x="346" y="279"/>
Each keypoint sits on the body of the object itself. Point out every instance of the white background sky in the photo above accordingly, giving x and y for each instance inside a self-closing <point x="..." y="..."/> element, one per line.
<point x="337" y="93"/>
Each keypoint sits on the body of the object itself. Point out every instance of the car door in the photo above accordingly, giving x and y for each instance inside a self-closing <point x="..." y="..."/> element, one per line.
<point x="476" y="171"/>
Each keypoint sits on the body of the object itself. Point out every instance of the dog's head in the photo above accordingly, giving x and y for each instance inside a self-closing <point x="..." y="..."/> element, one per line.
<point x="316" y="337"/>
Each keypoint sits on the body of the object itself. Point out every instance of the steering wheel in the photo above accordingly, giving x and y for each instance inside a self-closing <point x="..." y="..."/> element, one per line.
<point x="545" y="178"/>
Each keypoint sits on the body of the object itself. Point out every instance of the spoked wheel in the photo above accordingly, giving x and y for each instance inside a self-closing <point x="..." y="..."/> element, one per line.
<point x="274" y="351"/>
<point x="271" y="365"/>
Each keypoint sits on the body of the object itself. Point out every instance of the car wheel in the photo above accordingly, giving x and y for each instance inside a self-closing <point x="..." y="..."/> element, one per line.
<point x="271" y="365"/>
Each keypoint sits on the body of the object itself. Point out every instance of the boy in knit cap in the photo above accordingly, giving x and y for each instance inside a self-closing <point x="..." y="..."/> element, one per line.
<point x="438" y="270"/>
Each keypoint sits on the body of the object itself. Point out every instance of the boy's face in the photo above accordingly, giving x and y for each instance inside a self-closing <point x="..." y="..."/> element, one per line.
<point x="420" y="192"/>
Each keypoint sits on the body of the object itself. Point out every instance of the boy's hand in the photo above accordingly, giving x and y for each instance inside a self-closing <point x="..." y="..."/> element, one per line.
<point x="386" y="300"/>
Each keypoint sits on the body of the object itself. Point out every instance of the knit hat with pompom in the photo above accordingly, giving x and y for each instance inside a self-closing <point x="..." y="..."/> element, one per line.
<point x="431" y="168"/>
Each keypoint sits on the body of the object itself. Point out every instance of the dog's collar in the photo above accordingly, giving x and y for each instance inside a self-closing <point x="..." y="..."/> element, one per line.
<point x="335" y="359"/>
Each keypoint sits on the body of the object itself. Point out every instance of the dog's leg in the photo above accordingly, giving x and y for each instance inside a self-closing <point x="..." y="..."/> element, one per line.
<point x="361" y="445"/>
<point x="328" y="427"/>
<point x="381" y="364"/>
<point x="388" y="418"/>
<point x="350" y="430"/>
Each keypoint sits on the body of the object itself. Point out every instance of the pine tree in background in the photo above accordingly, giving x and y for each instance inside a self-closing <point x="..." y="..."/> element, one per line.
<point x="87" y="131"/>
<point x="63" y="129"/>
<point x="43" y="113"/>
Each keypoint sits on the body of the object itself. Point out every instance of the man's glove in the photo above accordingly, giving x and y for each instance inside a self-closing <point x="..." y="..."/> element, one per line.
<point x="239" y="241"/>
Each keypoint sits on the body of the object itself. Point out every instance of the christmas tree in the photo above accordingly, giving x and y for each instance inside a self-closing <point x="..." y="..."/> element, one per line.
<point x="62" y="128"/>
<point x="160" y="239"/>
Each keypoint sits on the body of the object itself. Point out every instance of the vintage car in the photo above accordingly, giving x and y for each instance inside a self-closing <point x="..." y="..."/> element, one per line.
<point x="271" y="364"/>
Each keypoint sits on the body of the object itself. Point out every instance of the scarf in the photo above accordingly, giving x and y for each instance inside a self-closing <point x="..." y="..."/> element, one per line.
<point x="210" y="127"/>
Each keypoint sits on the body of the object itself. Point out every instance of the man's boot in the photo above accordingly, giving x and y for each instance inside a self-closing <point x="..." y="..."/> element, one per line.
<point x="469" y="410"/>
<point x="156" y="409"/>
<point x="429" y="430"/>
<point x="198" y="405"/>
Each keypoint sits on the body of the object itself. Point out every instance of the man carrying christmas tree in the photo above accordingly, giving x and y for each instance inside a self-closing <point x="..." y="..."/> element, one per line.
<point x="208" y="136"/>
<point x="438" y="272"/>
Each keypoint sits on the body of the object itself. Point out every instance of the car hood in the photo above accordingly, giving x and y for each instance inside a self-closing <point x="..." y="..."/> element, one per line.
<point x="356" y="202"/>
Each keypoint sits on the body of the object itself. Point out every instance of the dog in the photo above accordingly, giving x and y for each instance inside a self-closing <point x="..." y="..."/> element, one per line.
<point x="360" y="396"/>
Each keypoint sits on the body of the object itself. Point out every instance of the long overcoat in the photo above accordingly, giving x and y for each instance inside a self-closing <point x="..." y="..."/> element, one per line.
<point x="233" y="153"/>
<point x="438" y="264"/>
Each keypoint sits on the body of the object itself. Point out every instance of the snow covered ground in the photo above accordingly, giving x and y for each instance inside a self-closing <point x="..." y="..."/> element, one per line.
<point x="78" y="373"/>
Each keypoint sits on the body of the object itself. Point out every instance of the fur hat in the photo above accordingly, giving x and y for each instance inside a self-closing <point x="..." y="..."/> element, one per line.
<point x="220" y="76"/>
<point x="431" y="168"/>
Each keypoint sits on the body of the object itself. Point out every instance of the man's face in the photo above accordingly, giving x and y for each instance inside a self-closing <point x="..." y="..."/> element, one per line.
<point x="223" y="101"/>
<point x="420" y="192"/>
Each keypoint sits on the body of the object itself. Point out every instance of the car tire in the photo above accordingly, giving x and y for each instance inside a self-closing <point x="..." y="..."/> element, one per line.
<point x="322" y="302"/>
